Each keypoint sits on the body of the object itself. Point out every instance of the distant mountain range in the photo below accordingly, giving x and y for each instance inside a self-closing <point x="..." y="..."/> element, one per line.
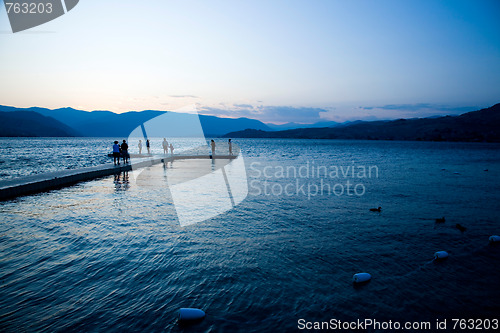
<point x="476" y="126"/>
<point x="104" y="123"/>
<point x="481" y="126"/>
<point x="30" y="123"/>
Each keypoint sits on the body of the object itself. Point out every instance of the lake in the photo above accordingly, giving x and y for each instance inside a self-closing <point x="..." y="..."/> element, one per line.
<point x="110" y="254"/>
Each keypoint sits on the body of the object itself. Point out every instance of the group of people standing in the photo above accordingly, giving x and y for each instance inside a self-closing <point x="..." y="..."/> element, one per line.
<point x="120" y="151"/>
<point x="165" y="146"/>
<point x="148" y="146"/>
<point x="230" y="145"/>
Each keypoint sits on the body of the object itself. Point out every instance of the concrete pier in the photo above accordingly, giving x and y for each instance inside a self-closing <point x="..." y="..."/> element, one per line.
<point x="16" y="187"/>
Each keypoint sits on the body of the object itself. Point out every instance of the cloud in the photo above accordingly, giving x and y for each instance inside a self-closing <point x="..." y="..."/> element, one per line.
<point x="250" y="113"/>
<point x="416" y="110"/>
<point x="298" y="115"/>
<point x="422" y="108"/>
<point x="184" y="96"/>
<point x="245" y="106"/>
<point x="269" y="114"/>
<point x="309" y="115"/>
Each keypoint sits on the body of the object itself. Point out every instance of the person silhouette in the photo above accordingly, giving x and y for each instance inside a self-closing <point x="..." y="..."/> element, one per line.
<point x="124" y="148"/>
<point x="172" y="149"/>
<point x="140" y="147"/>
<point x="148" y="146"/>
<point x="230" y="147"/>
<point x="116" y="153"/>
<point x="165" y="146"/>
<point x="212" y="144"/>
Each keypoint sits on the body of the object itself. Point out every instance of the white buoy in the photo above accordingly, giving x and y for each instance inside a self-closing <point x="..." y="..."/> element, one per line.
<point x="361" y="277"/>
<point x="494" y="239"/>
<point x="190" y="314"/>
<point x="441" y="255"/>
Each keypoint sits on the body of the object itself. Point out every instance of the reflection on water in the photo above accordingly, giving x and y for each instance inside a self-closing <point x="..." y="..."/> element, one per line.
<point x="121" y="181"/>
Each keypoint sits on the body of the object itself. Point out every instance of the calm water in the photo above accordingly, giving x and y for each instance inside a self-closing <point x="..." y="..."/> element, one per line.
<point x="29" y="156"/>
<point x="110" y="255"/>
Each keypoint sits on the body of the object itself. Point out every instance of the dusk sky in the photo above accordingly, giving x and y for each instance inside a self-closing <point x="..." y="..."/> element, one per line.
<point x="276" y="61"/>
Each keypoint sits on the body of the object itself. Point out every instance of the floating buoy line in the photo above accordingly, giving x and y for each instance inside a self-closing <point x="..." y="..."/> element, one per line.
<point x="194" y="315"/>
